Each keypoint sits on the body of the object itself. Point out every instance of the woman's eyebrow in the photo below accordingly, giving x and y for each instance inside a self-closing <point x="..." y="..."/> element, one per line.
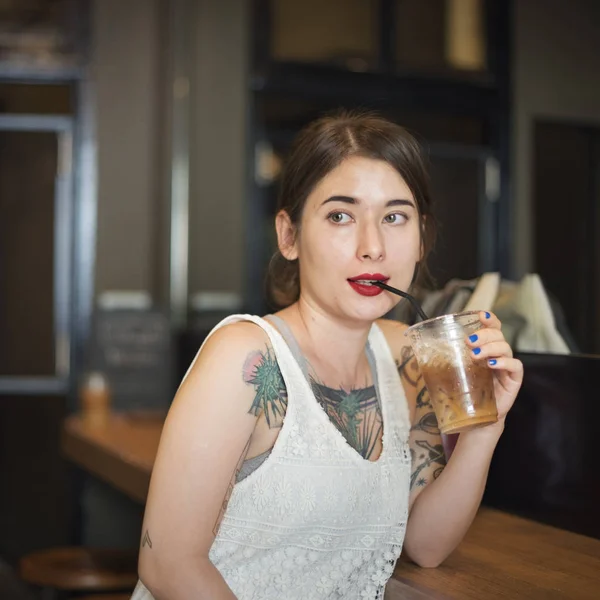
<point x="400" y="202"/>
<point x="350" y="200"/>
<point x="346" y="199"/>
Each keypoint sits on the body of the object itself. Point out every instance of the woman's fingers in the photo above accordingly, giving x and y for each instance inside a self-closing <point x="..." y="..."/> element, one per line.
<point x="488" y="343"/>
<point x="484" y="336"/>
<point x="513" y="366"/>
<point x="492" y="350"/>
<point x="489" y="319"/>
<point x="509" y="375"/>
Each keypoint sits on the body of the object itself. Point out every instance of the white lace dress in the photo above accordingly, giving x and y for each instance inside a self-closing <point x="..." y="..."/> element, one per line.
<point x="316" y="520"/>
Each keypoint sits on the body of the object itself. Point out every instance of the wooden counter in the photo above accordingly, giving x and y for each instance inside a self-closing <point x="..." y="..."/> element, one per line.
<point x="502" y="556"/>
<point x="121" y="453"/>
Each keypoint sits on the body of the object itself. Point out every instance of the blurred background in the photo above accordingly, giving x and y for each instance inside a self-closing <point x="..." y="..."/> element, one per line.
<point x="140" y="146"/>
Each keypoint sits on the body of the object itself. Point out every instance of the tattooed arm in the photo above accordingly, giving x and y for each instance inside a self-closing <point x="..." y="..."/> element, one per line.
<point x="426" y="450"/>
<point x="209" y="430"/>
<point x="443" y="498"/>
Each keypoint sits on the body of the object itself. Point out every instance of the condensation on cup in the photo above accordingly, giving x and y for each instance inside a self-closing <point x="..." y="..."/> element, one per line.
<point x="461" y="389"/>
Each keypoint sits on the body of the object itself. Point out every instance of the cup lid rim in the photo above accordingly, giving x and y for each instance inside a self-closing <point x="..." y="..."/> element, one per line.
<point x="448" y="318"/>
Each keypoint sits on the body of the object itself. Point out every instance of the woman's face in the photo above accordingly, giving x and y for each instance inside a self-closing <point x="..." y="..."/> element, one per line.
<point x="360" y="222"/>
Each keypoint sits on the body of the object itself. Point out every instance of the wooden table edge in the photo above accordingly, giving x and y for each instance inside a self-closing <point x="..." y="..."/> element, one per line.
<point x="127" y="475"/>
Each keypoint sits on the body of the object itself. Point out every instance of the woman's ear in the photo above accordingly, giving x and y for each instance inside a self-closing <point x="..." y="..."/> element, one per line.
<point x="286" y="235"/>
<point x="422" y="238"/>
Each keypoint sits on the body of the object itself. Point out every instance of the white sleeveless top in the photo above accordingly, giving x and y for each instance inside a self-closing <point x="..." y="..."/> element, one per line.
<point x="316" y="520"/>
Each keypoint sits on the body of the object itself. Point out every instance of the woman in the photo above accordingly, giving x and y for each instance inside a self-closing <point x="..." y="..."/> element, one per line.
<point x="299" y="455"/>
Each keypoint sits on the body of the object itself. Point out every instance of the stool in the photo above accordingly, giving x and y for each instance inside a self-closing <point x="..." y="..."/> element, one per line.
<point x="79" y="569"/>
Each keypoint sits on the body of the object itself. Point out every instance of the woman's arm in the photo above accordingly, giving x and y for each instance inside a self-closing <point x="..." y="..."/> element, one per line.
<point x="443" y="511"/>
<point x="204" y="442"/>
<point x="445" y="498"/>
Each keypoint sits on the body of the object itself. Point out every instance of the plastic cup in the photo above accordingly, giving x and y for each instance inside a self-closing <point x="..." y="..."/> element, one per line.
<point x="461" y="389"/>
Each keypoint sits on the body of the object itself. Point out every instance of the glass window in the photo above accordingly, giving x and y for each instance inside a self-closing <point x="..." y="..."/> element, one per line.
<point x="38" y="33"/>
<point x="40" y="99"/>
<point x="28" y="169"/>
<point x="335" y="32"/>
<point x="436" y="127"/>
<point x="280" y="113"/>
<point x="441" y="35"/>
<point x="455" y="187"/>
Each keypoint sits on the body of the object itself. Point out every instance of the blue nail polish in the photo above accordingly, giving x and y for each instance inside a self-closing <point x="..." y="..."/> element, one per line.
<point x="493" y="361"/>
<point x="487" y="315"/>
<point x="473" y="338"/>
<point x="477" y="351"/>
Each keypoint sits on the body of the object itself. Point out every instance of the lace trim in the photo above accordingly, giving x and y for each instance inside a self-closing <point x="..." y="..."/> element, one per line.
<point x="323" y="539"/>
<point x="299" y="573"/>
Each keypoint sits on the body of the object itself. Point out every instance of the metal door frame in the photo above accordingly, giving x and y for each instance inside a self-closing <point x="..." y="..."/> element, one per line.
<point x="63" y="255"/>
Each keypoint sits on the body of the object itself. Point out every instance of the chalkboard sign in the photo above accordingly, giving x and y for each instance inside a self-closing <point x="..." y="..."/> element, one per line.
<point x="133" y="349"/>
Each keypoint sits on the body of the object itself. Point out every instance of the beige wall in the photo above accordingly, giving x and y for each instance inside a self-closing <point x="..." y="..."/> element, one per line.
<point x="556" y="74"/>
<point x="129" y="66"/>
<point x="124" y="70"/>
<point x="217" y="152"/>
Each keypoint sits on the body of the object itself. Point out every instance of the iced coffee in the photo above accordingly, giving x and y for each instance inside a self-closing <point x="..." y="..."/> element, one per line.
<point x="461" y="389"/>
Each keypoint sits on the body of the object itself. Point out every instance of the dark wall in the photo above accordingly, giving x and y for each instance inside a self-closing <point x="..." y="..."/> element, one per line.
<point x="36" y="508"/>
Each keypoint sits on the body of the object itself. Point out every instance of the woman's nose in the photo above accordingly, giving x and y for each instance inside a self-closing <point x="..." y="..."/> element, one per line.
<point x="371" y="245"/>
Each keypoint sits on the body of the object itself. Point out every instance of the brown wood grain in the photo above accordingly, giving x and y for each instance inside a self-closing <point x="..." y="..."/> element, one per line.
<point x="81" y="569"/>
<point x="501" y="557"/>
<point x="504" y="556"/>
<point x="122" y="452"/>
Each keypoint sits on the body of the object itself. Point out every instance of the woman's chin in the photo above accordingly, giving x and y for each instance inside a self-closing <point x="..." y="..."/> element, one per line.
<point x="368" y="309"/>
<point x="352" y="306"/>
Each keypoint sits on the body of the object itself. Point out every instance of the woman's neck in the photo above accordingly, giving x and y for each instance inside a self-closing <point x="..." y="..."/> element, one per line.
<point x="333" y="347"/>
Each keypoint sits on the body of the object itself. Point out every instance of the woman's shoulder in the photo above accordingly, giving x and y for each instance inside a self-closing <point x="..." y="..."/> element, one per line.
<point x="393" y="332"/>
<point x="240" y="352"/>
<point x="408" y="368"/>
<point x="237" y="336"/>
<point x="228" y="358"/>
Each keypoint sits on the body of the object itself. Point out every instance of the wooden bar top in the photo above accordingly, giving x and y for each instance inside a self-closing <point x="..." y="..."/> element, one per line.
<point x="502" y="556"/>
<point x="121" y="452"/>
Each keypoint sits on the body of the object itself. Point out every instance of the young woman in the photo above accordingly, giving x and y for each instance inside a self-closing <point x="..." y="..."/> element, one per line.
<point x="301" y="453"/>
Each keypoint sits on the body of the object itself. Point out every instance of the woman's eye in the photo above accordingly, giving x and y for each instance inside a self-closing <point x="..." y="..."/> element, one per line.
<point x="395" y="218"/>
<point x="339" y="218"/>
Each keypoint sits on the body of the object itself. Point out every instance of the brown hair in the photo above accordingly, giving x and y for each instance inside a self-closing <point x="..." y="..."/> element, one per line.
<point x="320" y="148"/>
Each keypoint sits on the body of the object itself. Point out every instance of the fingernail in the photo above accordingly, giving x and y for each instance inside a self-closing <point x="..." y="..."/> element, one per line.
<point x="493" y="361"/>
<point x="477" y="351"/>
<point x="473" y="338"/>
<point x="487" y="315"/>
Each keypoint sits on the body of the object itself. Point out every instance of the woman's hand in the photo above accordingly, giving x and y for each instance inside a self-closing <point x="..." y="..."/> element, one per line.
<point x="488" y="344"/>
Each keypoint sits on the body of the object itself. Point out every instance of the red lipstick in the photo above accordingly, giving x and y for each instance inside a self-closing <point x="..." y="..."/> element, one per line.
<point x="360" y="283"/>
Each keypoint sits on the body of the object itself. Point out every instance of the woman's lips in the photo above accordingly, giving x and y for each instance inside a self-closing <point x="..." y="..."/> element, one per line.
<point x="365" y="289"/>
<point x="366" y="277"/>
<point x="362" y="283"/>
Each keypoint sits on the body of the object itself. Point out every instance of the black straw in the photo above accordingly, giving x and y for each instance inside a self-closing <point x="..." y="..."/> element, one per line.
<point x="415" y="304"/>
